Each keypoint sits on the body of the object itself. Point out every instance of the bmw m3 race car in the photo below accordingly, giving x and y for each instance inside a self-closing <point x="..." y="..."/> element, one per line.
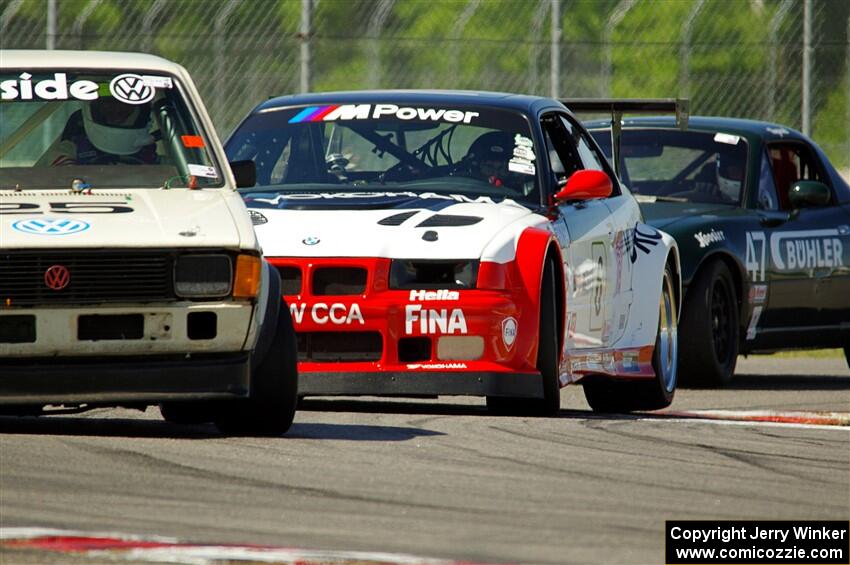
<point x="130" y="274"/>
<point x="763" y="223"/>
<point x="459" y="243"/>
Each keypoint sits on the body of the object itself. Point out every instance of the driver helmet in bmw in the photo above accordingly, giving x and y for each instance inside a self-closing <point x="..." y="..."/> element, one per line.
<point x="489" y="156"/>
<point x="115" y="127"/>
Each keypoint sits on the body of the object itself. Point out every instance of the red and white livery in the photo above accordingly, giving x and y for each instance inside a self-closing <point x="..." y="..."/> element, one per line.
<point x="459" y="243"/>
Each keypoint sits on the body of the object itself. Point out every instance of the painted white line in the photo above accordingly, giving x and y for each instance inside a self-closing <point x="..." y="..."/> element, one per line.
<point x="751" y="423"/>
<point x="793" y="416"/>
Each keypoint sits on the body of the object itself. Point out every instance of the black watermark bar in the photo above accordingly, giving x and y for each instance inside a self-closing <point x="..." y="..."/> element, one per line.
<point x="767" y="542"/>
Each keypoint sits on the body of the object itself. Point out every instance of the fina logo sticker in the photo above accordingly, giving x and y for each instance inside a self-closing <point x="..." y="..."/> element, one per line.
<point x="509" y="328"/>
<point x="132" y="89"/>
<point x="51" y="226"/>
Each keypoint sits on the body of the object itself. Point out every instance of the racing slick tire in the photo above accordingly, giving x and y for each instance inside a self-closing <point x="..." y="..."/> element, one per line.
<point x="847" y="355"/>
<point x="604" y="394"/>
<point x="710" y="328"/>
<point x="274" y="389"/>
<point x="547" y="359"/>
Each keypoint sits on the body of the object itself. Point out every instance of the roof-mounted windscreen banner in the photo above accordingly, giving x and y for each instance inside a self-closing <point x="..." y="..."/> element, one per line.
<point x="101" y="129"/>
<point x="329" y="155"/>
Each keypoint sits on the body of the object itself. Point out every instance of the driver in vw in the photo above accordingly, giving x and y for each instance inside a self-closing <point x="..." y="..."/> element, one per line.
<point x="105" y="131"/>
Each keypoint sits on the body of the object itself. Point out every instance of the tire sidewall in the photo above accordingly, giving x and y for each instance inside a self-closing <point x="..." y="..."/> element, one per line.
<point x="547" y="343"/>
<point x="665" y="396"/>
<point x="698" y="362"/>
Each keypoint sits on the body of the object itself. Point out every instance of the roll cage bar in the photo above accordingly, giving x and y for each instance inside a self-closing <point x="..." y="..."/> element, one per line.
<point x="617" y="107"/>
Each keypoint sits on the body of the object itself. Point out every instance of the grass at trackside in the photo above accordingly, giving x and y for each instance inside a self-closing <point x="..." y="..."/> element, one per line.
<point x="807" y="353"/>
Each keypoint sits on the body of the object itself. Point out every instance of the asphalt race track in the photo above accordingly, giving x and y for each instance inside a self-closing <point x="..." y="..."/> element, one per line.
<point x="440" y="478"/>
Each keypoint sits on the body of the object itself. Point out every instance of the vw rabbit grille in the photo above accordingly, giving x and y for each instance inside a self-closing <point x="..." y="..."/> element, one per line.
<point x="88" y="277"/>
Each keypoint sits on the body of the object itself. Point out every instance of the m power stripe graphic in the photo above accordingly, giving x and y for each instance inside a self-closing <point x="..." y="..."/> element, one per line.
<point x="344" y="112"/>
<point x="316" y="113"/>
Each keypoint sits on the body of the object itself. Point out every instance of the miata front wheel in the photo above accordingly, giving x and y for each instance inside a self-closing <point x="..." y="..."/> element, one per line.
<point x="709" y="326"/>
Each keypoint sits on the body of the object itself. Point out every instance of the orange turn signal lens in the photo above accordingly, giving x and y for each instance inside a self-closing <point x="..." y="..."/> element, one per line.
<point x="246" y="283"/>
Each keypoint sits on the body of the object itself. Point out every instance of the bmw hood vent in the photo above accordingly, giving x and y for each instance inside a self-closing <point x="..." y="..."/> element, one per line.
<point x="433" y="221"/>
<point x="397" y="219"/>
<point x="448" y="220"/>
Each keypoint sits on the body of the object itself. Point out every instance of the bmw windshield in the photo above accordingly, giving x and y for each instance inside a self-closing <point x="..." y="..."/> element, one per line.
<point x="99" y="129"/>
<point x="359" y="150"/>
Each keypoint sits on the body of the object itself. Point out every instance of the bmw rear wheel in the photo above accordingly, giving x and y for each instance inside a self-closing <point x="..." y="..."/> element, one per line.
<point x="605" y="394"/>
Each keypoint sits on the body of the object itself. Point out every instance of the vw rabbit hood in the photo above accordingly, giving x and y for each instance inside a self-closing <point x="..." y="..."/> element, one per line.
<point x="137" y="218"/>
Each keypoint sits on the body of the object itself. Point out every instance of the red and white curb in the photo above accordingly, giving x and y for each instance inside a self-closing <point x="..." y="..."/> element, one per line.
<point x="117" y="546"/>
<point x="816" y="420"/>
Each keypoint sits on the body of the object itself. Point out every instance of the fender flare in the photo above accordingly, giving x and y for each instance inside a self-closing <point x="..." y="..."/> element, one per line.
<point x="535" y="246"/>
<point x="739" y="277"/>
<point x="648" y="273"/>
<point x="269" y="320"/>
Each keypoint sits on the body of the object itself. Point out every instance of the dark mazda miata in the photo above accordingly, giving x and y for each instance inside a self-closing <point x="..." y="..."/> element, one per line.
<point x="762" y="220"/>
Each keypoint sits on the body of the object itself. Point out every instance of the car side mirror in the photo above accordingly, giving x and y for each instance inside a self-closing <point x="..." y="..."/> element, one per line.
<point x="585" y="185"/>
<point x="809" y="194"/>
<point x="245" y="173"/>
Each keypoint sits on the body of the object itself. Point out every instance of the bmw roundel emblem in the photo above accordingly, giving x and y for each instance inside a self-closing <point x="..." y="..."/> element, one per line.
<point x="310" y="240"/>
<point x="51" y="226"/>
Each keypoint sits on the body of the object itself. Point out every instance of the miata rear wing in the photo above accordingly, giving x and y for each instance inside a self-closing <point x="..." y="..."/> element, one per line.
<point x="618" y="107"/>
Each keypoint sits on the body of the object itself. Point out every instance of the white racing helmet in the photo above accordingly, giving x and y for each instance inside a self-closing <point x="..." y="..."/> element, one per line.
<point x="730" y="175"/>
<point x="115" y="127"/>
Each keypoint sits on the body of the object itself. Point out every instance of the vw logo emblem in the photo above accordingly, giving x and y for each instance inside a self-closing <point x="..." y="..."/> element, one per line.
<point x="51" y="226"/>
<point x="131" y="89"/>
<point x="57" y="277"/>
<point x="310" y="240"/>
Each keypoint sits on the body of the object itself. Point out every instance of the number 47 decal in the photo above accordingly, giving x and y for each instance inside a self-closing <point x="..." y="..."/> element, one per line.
<point x="754" y="261"/>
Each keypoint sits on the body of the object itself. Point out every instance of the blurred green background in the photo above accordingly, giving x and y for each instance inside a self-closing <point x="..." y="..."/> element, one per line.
<point x="741" y="58"/>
